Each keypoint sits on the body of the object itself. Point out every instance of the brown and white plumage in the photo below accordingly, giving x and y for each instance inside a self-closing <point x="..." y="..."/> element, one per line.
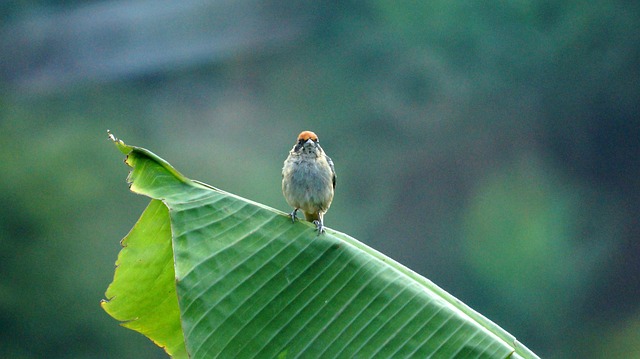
<point x="309" y="179"/>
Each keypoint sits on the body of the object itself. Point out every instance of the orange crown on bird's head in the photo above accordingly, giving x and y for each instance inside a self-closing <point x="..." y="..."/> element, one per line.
<point x="306" y="135"/>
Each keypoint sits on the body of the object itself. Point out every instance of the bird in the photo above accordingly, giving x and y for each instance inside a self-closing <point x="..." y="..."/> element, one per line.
<point x="308" y="180"/>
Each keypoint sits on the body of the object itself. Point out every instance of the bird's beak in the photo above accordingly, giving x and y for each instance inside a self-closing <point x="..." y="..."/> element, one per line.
<point x="309" y="142"/>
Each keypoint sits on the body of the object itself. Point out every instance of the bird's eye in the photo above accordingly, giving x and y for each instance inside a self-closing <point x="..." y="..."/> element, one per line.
<point x="304" y="140"/>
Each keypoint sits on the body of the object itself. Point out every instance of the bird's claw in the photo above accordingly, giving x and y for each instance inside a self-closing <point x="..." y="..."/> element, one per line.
<point x="293" y="215"/>
<point x="319" y="226"/>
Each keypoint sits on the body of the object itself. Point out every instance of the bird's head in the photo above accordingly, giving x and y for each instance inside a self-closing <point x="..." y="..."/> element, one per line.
<point x="307" y="143"/>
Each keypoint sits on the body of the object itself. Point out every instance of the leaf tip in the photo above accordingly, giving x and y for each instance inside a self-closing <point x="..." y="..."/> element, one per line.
<point x="104" y="304"/>
<point x="119" y="143"/>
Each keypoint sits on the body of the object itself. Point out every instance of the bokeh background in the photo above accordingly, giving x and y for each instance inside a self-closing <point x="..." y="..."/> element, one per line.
<point x="492" y="146"/>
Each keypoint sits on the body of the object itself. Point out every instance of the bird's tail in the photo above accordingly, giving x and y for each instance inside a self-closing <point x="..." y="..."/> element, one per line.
<point x="312" y="216"/>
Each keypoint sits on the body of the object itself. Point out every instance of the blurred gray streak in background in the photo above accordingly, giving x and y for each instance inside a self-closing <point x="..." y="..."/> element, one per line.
<point x="119" y="39"/>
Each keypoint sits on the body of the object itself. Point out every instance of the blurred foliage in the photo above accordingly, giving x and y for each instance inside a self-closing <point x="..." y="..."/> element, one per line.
<point x="526" y="225"/>
<point x="455" y="128"/>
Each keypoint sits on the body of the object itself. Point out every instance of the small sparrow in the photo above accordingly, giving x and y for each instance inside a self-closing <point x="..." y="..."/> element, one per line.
<point x="308" y="179"/>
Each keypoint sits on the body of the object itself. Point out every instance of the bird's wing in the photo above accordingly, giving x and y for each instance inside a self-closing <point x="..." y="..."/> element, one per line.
<point x="333" y="171"/>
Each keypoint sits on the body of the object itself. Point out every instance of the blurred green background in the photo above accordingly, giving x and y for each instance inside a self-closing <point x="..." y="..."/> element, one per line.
<point x="491" y="146"/>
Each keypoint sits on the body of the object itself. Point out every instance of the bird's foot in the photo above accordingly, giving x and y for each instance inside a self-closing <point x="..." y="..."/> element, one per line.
<point x="293" y="215"/>
<point x="319" y="226"/>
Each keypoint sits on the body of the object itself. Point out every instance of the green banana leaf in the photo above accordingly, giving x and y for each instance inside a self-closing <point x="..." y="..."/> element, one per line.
<point x="205" y="273"/>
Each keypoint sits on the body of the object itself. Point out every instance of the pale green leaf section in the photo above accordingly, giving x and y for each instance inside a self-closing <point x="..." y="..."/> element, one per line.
<point x="251" y="284"/>
<point x="143" y="293"/>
